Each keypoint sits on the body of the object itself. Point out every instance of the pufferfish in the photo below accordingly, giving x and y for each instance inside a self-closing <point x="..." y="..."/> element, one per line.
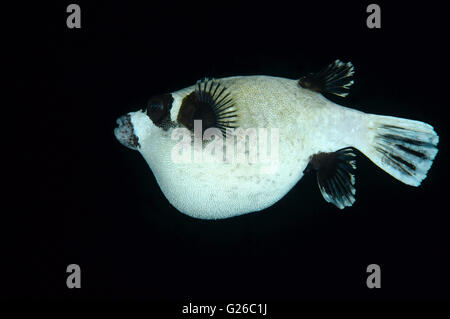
<point x="309" y="133"/>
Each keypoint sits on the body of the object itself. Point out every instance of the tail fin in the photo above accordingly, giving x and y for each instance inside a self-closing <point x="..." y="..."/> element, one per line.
<point x="403" y="148"/>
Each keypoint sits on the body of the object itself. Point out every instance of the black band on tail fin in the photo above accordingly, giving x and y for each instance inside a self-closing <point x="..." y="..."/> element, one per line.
<point x="403" y="148"/>
<point x="334" y="79"/>
<point x="335" y="176"/>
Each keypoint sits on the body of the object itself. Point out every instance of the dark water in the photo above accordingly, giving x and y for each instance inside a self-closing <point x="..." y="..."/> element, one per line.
<point x="127" y="238"/>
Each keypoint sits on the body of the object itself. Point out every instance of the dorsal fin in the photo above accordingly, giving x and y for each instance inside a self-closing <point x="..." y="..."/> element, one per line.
<point x="334" y="79"/>
<point x="335" y="176"/>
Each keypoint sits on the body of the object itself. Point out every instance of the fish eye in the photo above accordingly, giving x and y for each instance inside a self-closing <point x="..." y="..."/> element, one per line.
<point x="155" y="104"/>
<point x="158" y="109"/>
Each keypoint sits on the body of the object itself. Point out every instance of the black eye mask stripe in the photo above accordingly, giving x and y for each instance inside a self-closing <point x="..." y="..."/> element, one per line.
<point x="158" y="110"/>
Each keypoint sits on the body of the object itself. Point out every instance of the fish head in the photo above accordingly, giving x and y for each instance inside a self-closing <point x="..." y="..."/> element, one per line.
<point x="146" y="125"/>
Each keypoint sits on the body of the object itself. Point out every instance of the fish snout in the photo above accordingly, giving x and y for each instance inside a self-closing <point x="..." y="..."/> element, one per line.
<point x="125" y="132"/>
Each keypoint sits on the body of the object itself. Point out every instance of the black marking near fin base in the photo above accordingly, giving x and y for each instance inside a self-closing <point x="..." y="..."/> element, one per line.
<point x="210" y="102"/>
<point x="334" y="79"/>
<point x="335" y="176"/>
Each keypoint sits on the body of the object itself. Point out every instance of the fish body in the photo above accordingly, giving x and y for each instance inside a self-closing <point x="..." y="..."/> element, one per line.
<point x="303" y="131"/>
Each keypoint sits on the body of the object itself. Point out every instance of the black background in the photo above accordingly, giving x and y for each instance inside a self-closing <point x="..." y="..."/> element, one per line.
<point x="99" y="206"/>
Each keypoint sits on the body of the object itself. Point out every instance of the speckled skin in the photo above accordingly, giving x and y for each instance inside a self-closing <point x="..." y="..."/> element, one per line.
<point x="308" y="123"/>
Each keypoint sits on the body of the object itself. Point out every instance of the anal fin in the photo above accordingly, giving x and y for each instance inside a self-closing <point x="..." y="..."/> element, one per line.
<point x="335" y="79"/>
<point x="335" y="176"/>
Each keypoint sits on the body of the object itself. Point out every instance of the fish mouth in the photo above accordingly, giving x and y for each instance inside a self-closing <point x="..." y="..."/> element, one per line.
<point x="125" y="133"/>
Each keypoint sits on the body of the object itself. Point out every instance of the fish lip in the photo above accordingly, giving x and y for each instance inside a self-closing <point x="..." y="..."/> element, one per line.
<point x="124" y="133"/>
